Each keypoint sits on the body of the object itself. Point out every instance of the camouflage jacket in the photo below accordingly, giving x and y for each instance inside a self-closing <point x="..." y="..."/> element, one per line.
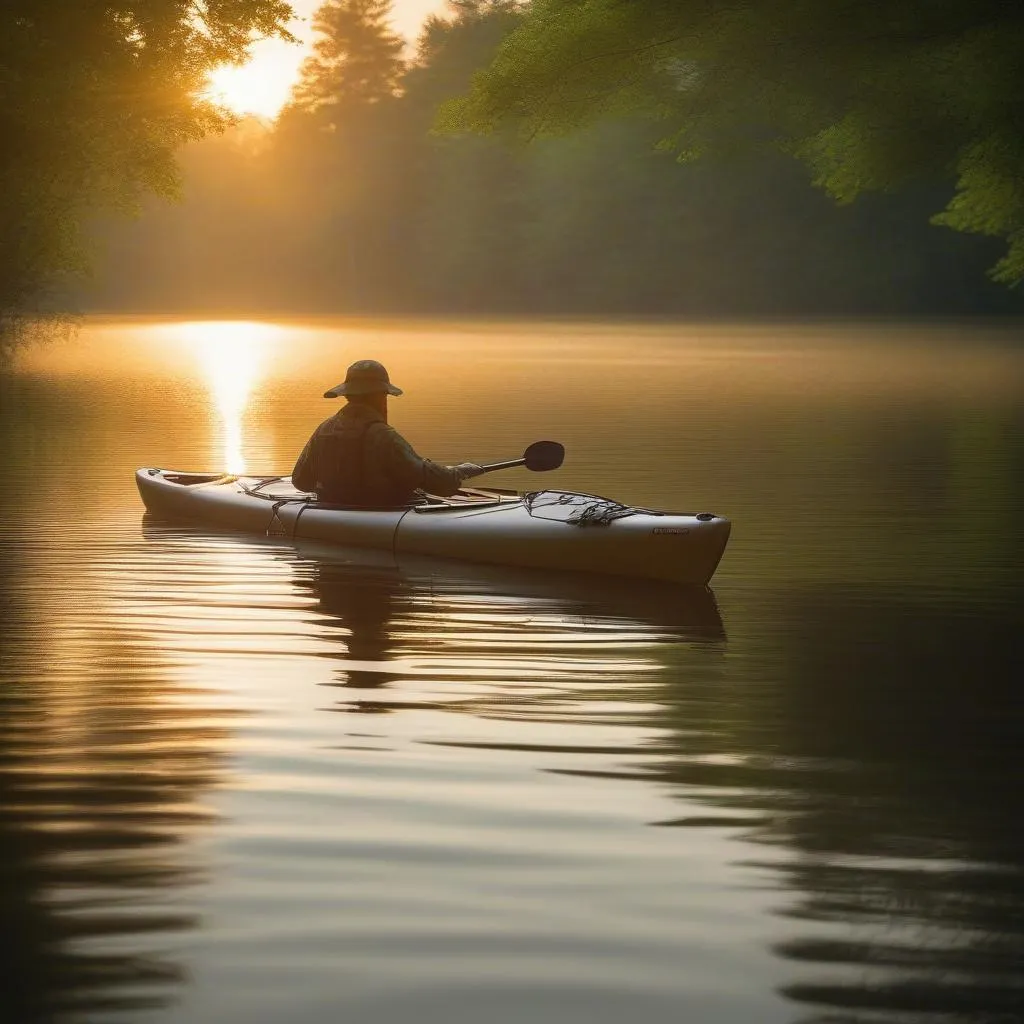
<point x="355" y="458"/>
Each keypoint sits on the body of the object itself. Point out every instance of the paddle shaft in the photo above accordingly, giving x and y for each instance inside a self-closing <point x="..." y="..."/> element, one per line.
<point x="491" y="466"/>
<point x="539" y="457"/>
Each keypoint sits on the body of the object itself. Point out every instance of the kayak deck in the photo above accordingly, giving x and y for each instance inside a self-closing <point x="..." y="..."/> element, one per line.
<point x="560" y="530"/>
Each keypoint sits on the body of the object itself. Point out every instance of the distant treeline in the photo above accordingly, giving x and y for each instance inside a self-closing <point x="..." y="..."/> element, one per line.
<point x="352" y="203"/>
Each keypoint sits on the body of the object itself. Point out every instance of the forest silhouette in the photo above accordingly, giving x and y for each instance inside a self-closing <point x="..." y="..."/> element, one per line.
<point x="368" y="195"/>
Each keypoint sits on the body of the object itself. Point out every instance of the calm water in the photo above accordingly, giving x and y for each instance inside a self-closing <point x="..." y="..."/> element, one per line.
<point x="242" y="781"/>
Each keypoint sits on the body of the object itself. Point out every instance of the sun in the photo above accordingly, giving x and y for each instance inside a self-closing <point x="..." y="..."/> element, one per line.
<point x="241" y="90"/>
<point x="262" y="85"/>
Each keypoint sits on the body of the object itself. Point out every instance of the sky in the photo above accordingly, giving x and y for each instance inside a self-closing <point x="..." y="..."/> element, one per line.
<point x="262" y="86"/>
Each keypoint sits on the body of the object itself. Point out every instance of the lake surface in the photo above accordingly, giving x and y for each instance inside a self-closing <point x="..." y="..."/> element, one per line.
<point x="242" y="781"/>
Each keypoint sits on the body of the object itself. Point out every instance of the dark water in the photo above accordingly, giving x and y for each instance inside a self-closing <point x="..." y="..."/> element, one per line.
<point x="243" y="781"/>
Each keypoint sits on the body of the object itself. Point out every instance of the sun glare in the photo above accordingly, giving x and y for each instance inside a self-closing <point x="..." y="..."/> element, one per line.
<point x="259" y="88"/>
<point x="232" y="355"/>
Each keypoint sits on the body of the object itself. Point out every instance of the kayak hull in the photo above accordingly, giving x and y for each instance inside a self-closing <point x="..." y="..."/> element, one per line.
<point x="493" y="527"/>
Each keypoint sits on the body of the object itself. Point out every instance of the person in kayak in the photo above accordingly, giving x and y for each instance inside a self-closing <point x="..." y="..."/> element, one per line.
<point x="356" y="458"/>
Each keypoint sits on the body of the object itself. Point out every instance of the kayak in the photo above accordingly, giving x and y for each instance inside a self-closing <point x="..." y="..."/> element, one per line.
<point x="551" y="529"/>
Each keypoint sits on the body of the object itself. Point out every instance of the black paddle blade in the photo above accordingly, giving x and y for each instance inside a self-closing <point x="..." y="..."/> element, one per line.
<point x="544" y="455"/>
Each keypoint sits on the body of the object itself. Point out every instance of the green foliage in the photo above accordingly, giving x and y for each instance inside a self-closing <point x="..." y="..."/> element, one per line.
<point x="870" y="96"/>
<point x="356" y="206"/>
<point x="95" y="98"/>
<point x="452" y="49"/>
<point x="990" y="199"/>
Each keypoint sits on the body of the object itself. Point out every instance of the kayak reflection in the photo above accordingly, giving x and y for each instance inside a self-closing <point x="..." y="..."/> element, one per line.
<point x="360" y="604"/>
<point x="432" y="618"/>
<point x="385" y="619"/>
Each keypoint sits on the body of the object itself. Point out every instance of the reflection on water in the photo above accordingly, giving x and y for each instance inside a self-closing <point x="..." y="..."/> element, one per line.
<point x="242" y="780"/>
<point x="892" y="799"/>
<point x="363" y="609"/>
<point x="420" y="617"/>
<point x="922" y="854"/>
<point x="231" y="356"/>
<point x="103" y="768"/>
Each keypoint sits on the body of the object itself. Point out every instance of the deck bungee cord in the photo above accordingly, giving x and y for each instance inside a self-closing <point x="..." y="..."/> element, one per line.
<point x="276" y="526"/>
<point x="586" y="509"/>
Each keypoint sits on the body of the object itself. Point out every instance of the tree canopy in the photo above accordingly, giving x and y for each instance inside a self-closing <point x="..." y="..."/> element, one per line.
<point x="870" y="96"/>
<point x="353" y="205"/>
<point x="95" y="98"/>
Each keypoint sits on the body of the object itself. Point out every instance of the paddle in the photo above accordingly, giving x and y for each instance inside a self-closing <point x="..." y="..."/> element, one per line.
<point x="541" y="457"/>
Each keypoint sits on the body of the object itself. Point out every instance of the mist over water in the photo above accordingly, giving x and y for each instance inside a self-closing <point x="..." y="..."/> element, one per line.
<point x="242" y="780"/>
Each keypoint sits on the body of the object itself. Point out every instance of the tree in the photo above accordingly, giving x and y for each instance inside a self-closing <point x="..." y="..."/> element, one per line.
<point x="339" y="146"/>
<point x="356" y="206"/>
<point x="870" y="96"/>
<point x="95" y="98"/>
<point x="357" y="58"/>
<point x="451" y="48"/>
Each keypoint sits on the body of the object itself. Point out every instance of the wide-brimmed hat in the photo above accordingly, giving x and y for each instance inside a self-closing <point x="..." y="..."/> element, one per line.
<point x="364" y="378"/>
